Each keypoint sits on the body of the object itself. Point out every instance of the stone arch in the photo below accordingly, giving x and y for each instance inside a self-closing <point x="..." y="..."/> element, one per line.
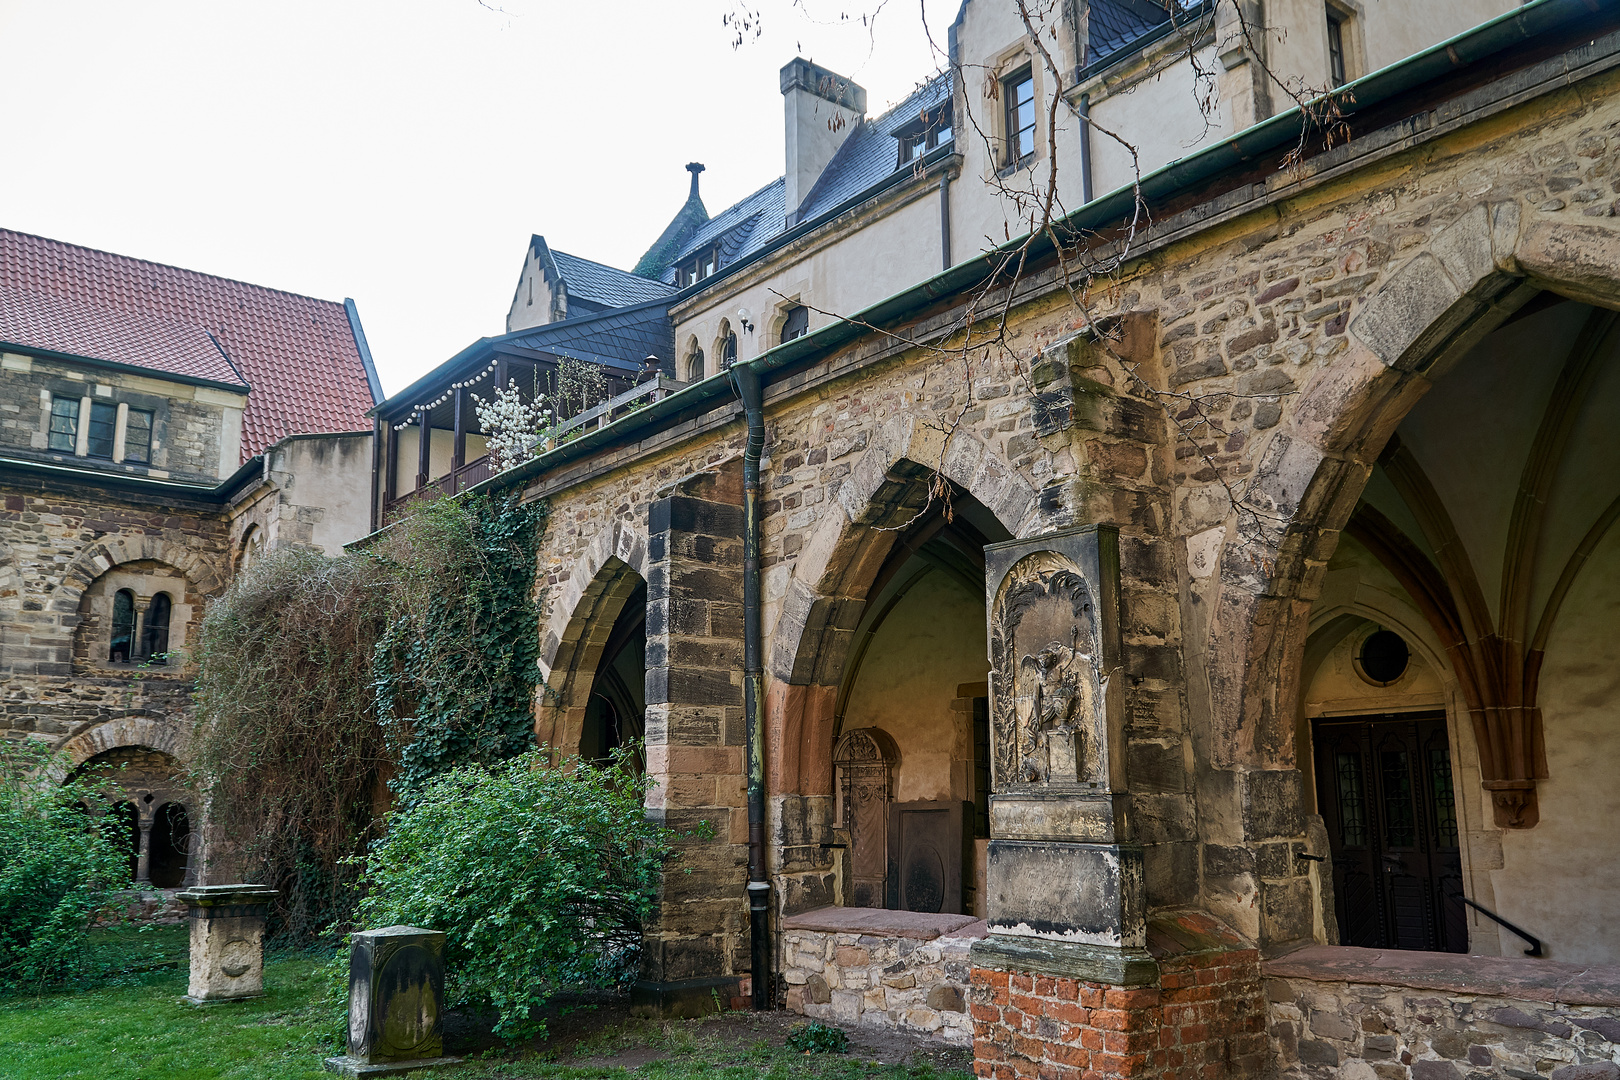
<point x="151" y="732"/>
<point x="97" y="558"/>
<point x="581" y="620"/>
<point x="1417" y="323"/>
<point x="826" y="594"/>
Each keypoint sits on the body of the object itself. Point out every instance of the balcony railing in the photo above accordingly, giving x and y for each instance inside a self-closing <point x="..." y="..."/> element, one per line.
<point x="600" y="416"/>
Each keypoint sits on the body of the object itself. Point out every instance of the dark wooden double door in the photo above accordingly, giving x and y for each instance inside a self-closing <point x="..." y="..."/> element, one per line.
<point x="1384" y="790"/>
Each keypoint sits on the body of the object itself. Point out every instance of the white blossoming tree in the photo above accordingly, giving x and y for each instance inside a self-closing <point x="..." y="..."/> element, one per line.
<point x="512" y="427"/>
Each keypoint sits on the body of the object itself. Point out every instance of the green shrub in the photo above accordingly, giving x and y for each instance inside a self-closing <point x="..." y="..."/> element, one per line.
<point x="818" y="1038"/>
<point x="540" y="875"/>
<point x="59" y="868"/>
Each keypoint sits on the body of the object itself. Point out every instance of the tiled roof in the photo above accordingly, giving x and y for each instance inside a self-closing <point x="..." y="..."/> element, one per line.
<point x="297" y="354"/>
<point x="869" y="155"/>
<point x="40" y="321"/>
<point x="605" y="285"/>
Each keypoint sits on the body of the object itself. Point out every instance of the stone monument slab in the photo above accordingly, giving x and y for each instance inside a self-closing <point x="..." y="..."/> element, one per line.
<point x="227" y="941"/>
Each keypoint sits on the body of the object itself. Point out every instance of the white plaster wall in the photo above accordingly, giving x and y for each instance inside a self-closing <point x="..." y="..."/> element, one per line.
<point x="931" y="643"/>
<point x="326" y="482"/>
<point x="1561" y="879"/>
<point x="1159" y="116"/>
<point x="441" y="451"/>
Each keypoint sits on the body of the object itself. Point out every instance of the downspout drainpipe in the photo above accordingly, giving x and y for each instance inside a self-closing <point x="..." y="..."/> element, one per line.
<point x="746" y="381"/>
<point x="1085" y="148"/>
<point x="945" y="218"/>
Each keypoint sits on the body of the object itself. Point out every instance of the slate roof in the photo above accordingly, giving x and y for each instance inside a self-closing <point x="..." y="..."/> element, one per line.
<point x="606" y="285"/>
<point x="869" y="155"/>
<point x="298" y="355"/>
<point x="619" y="339"/>
<point x="1115" y="24"/>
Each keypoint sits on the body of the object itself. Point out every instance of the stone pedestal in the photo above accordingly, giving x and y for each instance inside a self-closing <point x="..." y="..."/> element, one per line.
<point x="227" y="941"/>
<point x="396" y="990"/>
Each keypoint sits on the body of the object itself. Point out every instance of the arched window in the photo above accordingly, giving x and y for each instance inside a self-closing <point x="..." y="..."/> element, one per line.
<point x="155" y="634"/>
<point x="694" y="366"/>
<point x="729" y="355"/>
<point x="123" y="627"/>
<point x="168" y="845"/>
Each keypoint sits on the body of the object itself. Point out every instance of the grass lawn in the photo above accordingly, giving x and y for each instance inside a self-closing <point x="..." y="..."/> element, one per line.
<point x="135" y="1027"/>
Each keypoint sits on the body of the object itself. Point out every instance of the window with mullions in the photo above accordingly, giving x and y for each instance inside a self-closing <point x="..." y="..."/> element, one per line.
<point x="1018" y="97"/>
<point x="138" y="436"/>
<point x="64" y="423"/>
<point x="103" y="422"/>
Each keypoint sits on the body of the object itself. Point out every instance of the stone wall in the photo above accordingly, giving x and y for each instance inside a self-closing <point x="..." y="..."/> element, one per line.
<point x="901" y="970"/>
<point x="196" y="431"/>
<point x="1457" y="1017"/>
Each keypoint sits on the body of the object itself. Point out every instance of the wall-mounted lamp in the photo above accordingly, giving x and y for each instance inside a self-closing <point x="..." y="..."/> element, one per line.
<point x="745" y="319"/>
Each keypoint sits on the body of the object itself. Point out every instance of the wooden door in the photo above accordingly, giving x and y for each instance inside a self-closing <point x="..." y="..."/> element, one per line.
<point x="1384" y="791"/>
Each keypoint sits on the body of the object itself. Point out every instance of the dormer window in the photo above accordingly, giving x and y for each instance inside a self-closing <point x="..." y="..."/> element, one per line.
<point x="698" y="267"/>
<point x="928" y="132"/>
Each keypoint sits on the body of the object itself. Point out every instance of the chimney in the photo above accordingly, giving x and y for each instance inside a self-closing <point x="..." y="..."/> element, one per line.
<point x="821" y="109"/>
<point x="694" y="167"/>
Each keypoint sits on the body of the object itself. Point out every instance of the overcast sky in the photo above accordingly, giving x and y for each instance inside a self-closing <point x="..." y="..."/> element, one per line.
<point x="401" y="152"/>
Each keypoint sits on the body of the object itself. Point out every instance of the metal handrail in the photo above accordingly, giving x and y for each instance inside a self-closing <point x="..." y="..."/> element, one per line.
<point x="1535" y="942"/>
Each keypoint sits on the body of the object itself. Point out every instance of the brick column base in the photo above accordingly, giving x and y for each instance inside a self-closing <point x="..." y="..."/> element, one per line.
<point x="1204" y="1020"/>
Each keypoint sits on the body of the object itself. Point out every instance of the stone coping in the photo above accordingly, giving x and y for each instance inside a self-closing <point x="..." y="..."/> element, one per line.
<point x="1485" y="976"/>
<point x="881" y="922"/>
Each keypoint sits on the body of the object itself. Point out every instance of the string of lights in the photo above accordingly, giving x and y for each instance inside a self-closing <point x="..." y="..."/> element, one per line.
<point x="423" y="410"/>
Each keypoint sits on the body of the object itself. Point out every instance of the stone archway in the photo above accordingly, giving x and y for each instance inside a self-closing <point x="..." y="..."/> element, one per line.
<point x="805" y="650"/>
<point x="1420" y="323"/>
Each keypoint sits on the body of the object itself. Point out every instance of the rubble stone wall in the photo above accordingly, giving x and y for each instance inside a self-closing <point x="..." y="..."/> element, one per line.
<point x="860" y="980"/>
<point x="1355" y="1031"/>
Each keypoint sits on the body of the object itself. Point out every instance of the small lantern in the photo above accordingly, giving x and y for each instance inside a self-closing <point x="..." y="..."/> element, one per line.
<point x="396" y="986"/>
<point x="227" y="941"/>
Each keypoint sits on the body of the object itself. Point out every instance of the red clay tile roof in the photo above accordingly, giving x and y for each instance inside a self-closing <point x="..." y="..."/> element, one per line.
<point x="297" y="354"/>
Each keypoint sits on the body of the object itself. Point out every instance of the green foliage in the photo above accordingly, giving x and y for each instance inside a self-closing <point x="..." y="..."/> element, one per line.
<point x="818" y="1038"/>
<point x="288" y="752"/>
<point x="541" y="875"/>
<point x="59" y="868"/>
<point x="456" y="671"/>
<point x="324" y="681"/>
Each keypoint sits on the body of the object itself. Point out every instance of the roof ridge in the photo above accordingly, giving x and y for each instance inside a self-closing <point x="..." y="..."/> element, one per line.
<point x="171" y="266"/>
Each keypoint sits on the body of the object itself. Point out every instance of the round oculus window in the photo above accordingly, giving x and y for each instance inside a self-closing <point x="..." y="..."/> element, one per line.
<point x="1384" y="657"/>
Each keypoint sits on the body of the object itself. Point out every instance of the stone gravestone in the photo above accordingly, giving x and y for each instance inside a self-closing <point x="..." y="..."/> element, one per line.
<point x="227" y="941"/>
<point x="396" y="986"/>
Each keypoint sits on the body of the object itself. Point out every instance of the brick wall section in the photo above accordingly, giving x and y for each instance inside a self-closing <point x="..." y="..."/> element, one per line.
<point x="1203" y="1021"/>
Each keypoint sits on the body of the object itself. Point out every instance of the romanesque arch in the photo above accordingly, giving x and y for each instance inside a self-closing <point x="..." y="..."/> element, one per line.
<point x="97" y="558"/>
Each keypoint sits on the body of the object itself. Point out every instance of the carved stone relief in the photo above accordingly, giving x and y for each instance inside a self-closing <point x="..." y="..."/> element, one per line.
<point x="1046" y="660"/>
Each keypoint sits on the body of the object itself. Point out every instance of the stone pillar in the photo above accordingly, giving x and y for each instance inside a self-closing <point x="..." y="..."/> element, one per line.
<point x="227" y="941"/>
<point x="1064" y="876"/>
<point x="396" y="994"/>
<point x="1065" y="985"/>
<point x="696" y="952"/>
